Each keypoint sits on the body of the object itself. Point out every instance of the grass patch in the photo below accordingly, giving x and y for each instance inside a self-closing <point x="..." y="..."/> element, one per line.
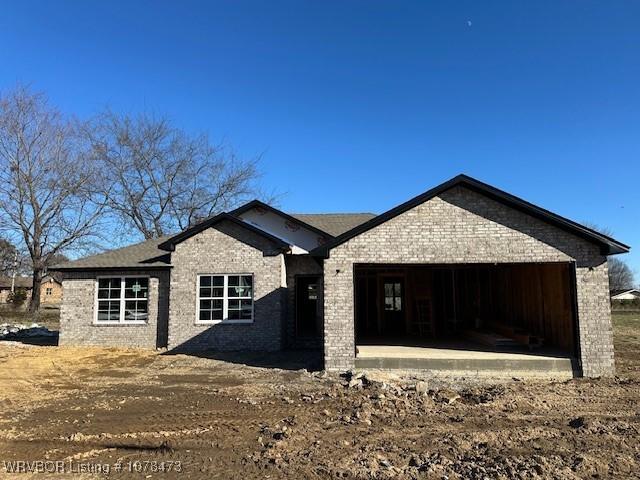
<point x="48" y="317"/>
<point x="627" y="319"/>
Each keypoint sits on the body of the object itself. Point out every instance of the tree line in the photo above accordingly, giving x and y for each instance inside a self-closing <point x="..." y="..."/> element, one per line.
<point x="71" y="185"/>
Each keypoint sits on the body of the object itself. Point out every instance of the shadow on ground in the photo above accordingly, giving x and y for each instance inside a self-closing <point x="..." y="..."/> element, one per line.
<point x="310" y="360"/>
<point x="26" y="337"/>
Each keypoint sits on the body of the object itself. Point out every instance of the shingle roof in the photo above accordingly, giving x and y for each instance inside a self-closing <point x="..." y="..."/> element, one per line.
<point x="613" y="293"/>
<point x="334" y="223"/>
<point x="147" y="254"/>
<point x="170" y="242"/>
<point x="259" y="204"/>
<point x="21" y="282"/>
<point x="140" y="255"/>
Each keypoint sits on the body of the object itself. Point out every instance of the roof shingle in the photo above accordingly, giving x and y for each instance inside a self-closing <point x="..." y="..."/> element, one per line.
<point x="334" y="223"/>
<point x="21" y="282"/>
<point x="141" y="255"/>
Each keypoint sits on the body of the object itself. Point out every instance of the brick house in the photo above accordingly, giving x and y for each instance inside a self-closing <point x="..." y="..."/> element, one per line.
<point x="50" y="289"/>
<point x="462" y="268"/>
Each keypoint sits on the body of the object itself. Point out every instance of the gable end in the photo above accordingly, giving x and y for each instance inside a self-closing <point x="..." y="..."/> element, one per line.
<point x="608" y="245"/>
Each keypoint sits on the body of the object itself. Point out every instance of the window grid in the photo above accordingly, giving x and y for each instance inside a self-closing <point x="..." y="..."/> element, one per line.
<point x="392" y="296"/>
<point x="225" y="298"/>
<point x="124" y="299"/>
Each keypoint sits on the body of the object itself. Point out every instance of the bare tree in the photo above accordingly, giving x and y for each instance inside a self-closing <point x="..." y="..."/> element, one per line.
<point x="620" y="275"/>
<point x="598" y="228"/>
<point x="9" y="257"/>
<point x="47" y="198"/>
<point x="164" y="179"/>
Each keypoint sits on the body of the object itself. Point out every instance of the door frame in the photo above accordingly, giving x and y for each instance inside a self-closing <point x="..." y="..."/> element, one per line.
<point x="403" y="296"/>
<point x="318" y="329"/>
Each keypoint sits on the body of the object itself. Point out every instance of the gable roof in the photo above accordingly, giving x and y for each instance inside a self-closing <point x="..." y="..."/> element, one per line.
<point x="170" y="243"/>
<point x="26" y="282"/>
<point x="334" y="224"/>
<point x="615" y="293"/>
<point x="293" y="218"/>
<point x="339" y="227"/>
<point x="154" y="253"/>
<point x="145" y="254"/>
<point x="52" y="276"/>
<point x="608" y="245"/>
<point x="20" y="282"/>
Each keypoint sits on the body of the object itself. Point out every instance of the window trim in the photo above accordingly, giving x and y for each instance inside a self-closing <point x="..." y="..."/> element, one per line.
<point x="122" y="300"/>
<point x="225" y="299"/>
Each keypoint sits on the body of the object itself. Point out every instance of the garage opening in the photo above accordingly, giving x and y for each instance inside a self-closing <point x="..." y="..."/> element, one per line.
<point x="528" y="309"/>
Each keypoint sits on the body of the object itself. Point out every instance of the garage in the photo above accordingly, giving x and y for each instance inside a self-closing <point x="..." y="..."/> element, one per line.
<point x="465" y="311"/>
<point x="468" y="277"/>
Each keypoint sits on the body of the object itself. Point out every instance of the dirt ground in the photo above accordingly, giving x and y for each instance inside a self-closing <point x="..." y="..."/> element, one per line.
<point x="147" y="415"/>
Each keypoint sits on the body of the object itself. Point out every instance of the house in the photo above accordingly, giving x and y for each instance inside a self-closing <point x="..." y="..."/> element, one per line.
<point x="461" y="273"/>
<point x="626" y="294"/>
<point x="19" y="283"/>
<point x="50" y="289"/>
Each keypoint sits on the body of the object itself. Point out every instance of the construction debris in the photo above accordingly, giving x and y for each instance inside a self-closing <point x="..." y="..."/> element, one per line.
<point x="10" y="331"/>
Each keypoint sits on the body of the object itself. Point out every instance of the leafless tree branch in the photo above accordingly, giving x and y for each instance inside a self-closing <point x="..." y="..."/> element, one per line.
<point x="164" y="179"/>
<point x="48" y="191"/>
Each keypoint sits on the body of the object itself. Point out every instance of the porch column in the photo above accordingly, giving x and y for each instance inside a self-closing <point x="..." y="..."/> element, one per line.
<point x="339" y="332"/>
<point x="594" y="318"/>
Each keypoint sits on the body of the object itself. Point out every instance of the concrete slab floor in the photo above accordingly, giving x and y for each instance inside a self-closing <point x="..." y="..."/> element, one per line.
<point x="401" y="351"/>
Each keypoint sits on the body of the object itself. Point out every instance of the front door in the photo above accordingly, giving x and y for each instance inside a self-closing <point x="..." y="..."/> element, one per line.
<point x="393" y="320"/>
<point x="307" y="288"/>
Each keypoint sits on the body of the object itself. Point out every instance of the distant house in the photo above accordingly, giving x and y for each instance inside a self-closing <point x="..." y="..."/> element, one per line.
<point x="50" y="289"/>
<point x="626" y="294"/>
<point x="21" y="283"/>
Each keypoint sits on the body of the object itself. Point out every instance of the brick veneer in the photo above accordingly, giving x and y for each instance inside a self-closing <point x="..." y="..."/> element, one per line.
<point x="462" y="226"/>
<point x="77" y="312"/>
<point x="227" y="248"/>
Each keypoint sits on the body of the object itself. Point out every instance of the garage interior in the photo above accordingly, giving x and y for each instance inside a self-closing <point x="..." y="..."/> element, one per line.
<point x="508" y="312"/>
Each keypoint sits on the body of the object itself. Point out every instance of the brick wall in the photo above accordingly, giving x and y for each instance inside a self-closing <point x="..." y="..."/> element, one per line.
<point x="227" y="248"/>
<point x="461" y="226"/>
<point x="77" y="312"/>
<point x="55" y="298"/>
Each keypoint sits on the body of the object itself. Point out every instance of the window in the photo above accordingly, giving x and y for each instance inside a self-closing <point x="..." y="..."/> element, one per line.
<point x="226" y="298"/>
<point x="123" y="300"/>
<point x="48" y="291"/>
<point x="392" y="296"/>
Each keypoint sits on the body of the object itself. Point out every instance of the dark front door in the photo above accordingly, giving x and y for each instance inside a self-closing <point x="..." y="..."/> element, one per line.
<point x="307" y="289"/>
<point x="393" y="321"/>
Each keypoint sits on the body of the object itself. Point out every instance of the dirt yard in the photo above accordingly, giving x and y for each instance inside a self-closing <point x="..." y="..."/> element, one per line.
<point x="128" y="414"/>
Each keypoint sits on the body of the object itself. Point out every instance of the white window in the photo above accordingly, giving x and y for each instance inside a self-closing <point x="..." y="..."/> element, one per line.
<point x="225" y="298"/>
<point x="122" y="300"/>
<point x="48" y="291"/>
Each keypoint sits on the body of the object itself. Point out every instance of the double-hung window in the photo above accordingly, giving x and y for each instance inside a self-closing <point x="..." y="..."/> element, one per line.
<point x="122" y="300"/>
<point x="227" y="298"/>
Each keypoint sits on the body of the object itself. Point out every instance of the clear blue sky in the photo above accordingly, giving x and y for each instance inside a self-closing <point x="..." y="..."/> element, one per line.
<point x="359" y="105"/>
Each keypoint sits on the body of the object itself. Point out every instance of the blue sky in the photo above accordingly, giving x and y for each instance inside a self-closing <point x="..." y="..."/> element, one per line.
<point x="359" y="105"/>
